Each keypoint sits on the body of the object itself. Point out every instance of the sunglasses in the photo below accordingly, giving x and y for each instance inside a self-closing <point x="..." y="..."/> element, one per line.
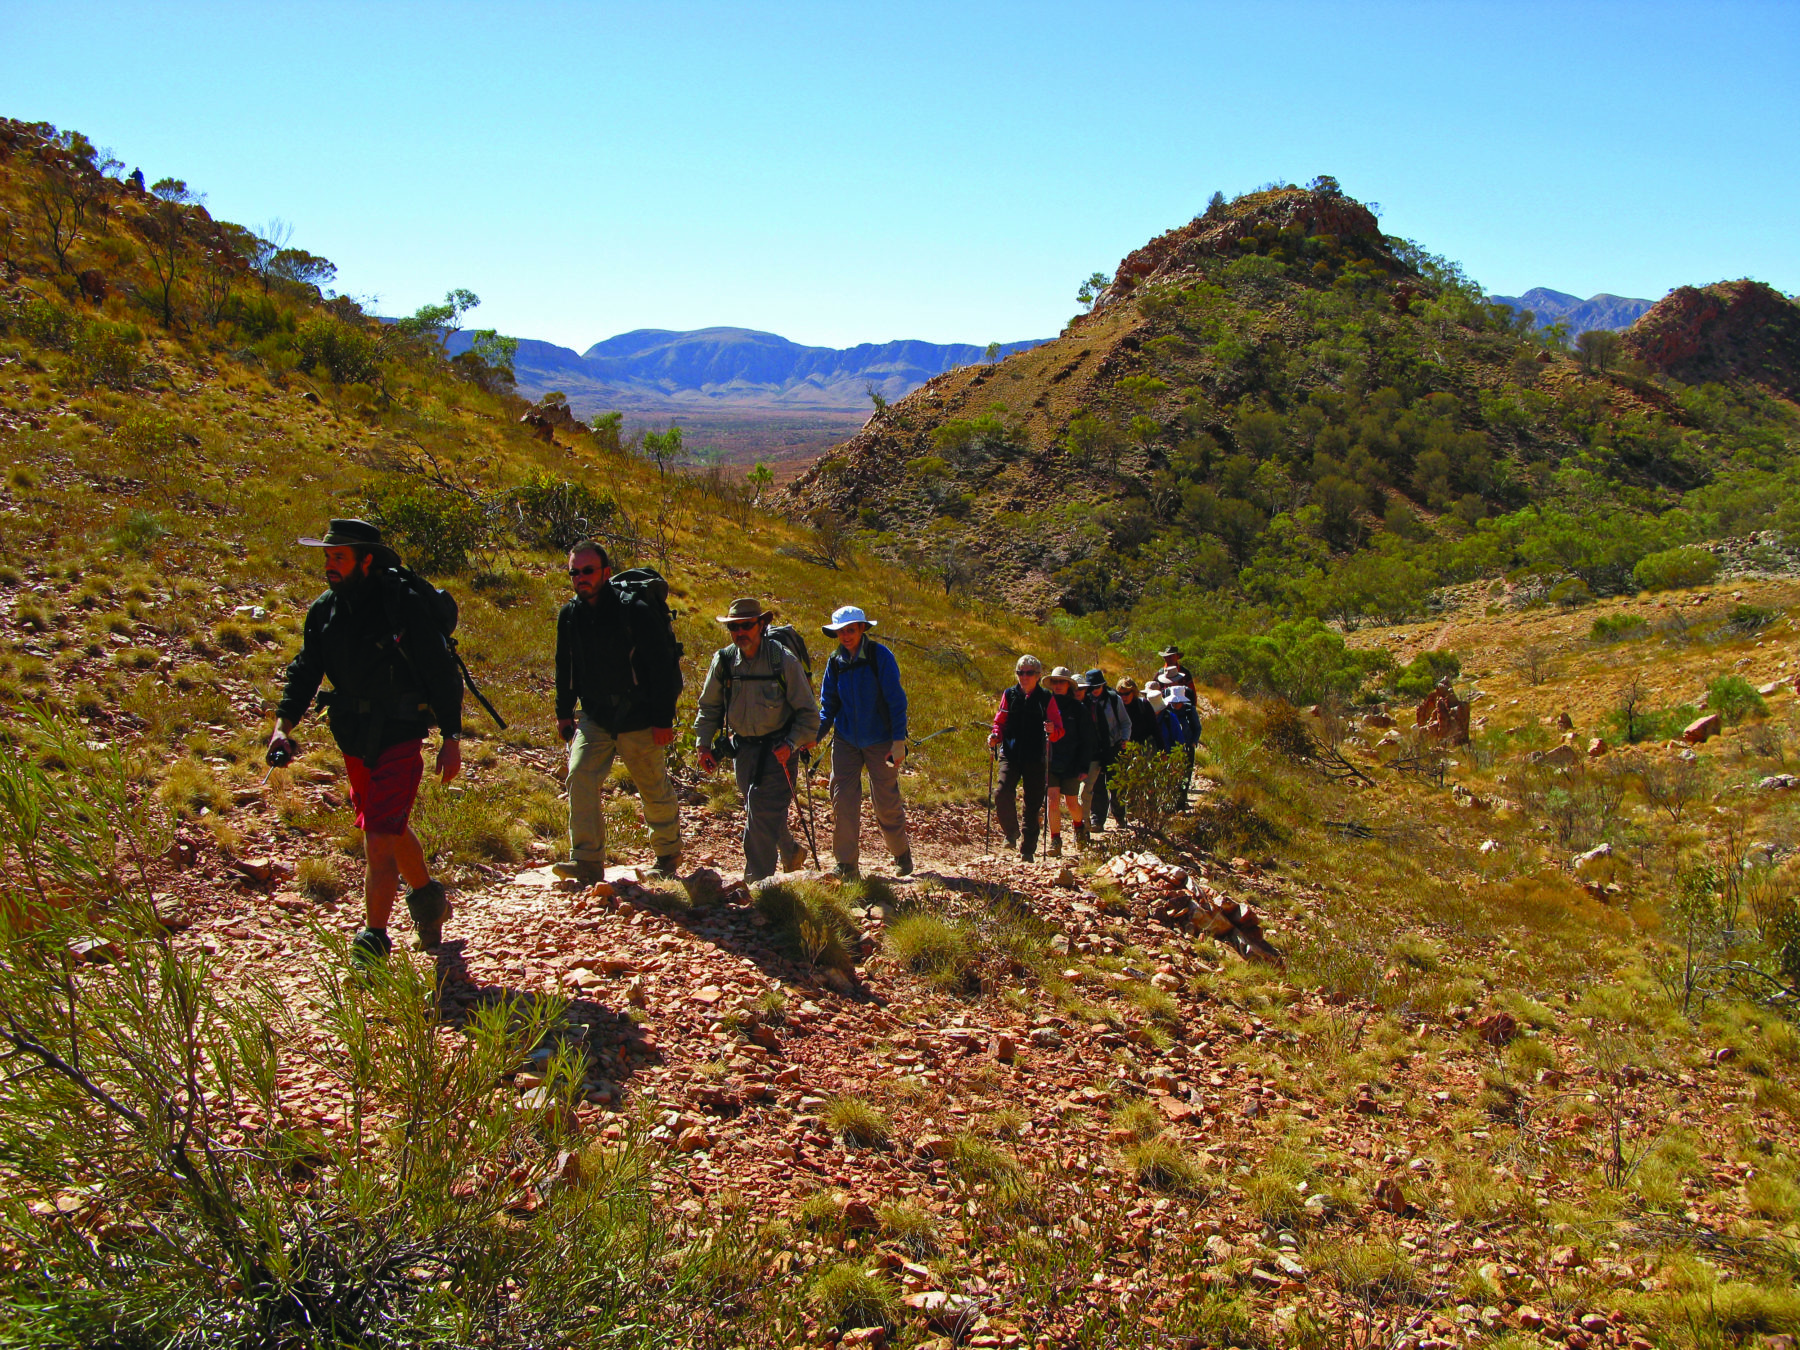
<point x="742" y="626"/>
<point x="583" y="571"/>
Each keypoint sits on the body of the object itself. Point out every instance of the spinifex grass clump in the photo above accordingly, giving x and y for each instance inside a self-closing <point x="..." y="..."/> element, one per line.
<point x="810" y="920"/>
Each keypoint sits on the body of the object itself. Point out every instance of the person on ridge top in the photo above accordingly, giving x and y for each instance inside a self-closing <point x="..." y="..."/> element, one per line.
<point x="757" y="693"/>
<point x="1027" y="715"/>
<point x="862" y="698"/>
<point x="392" y="674"/>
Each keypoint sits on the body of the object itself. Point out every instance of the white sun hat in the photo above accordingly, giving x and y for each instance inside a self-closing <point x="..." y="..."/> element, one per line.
<point x="847" y="614"/>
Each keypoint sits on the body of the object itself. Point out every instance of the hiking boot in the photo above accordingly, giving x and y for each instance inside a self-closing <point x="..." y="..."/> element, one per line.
<point x="1012" y="843"/>
<point x="666" y="864"/>
<point x="1027" y="854"/>
<point x="370" y="948"/>
<point x="429" y="907"/>
<point x="1081" y="835"/>
<point x="847" y="872"/>
<point x="575" y="869"/>
<point x="1055" y="846"/>
<point x="792" y="860"/>
<point x="903" y="864"/>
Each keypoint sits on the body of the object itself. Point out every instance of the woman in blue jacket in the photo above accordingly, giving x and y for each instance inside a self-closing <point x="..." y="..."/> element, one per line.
<point x="861" y="699"/>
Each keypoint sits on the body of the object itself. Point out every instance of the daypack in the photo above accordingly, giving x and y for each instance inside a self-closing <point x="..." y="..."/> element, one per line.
<point x="645" y="586"/>
<point x="442" y="609"/>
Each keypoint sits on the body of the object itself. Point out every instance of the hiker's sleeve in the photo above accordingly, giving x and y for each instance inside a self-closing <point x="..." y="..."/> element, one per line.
<point x="888" y="673"/>
<point x="709" y="714"/>
<point x="565" y="665"/>
<point x="830" y="701"/>
<point x="1053" y="722"/>
<point x="805" y="730"/>
<point x="304" y="672"/>
<point x="1000" y="717"/>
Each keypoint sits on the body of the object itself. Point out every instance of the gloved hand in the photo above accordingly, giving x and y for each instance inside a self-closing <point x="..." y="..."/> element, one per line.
<point x="707" y="761"/>
<point x="897" y="755"/>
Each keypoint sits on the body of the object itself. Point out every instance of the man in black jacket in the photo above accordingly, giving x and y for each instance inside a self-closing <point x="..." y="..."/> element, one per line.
<point x="615" y="657"/>
<point x="392" y="674"/>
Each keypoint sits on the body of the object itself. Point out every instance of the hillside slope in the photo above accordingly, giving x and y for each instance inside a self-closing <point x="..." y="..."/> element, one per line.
<point x="1278" y="414"/>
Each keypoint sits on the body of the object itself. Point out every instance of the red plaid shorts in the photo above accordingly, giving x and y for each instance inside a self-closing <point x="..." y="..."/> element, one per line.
<point x="383" y="792"/>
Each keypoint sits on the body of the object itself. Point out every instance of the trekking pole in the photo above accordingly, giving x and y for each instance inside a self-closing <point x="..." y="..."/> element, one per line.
<point x="812" y="833"/>
<point x="987" y="833"/>
<point x="1044" y="805"/>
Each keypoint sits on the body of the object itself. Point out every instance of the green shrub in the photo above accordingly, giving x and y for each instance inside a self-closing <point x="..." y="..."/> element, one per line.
<point x="552" y="513"/>
<point x="432" y="528"/>
<point x="1619" y="628"/>
<point x="1420" y="675"/>
<point x="1301" y="660"/>
<point x="1734" y="699"/>
<point x="810" y="921"/>
<point x="1674" y="568"/>
<point x="347" y="354"/>
<point x="1150" y="784"/>
<point x="138" y="532"/>
<point x="1747" y="619"/>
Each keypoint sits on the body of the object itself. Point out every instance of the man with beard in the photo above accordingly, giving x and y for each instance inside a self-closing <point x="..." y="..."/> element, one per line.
<point x="392" y="674"/>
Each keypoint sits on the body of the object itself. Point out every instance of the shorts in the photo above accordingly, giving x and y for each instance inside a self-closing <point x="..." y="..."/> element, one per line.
<point x="383" y="792"/>
<point x="1069" y="784"/>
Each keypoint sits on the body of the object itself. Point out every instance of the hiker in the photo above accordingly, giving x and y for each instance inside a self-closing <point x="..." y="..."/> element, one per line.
<point x="861" y="699"/>
<point x="1174" y="676"/>
<point x="1180" y="731"/>
<point x="616" y="657"/>
<point x="1142" y="717"/>
<point x="1112" y="728"/>
<point x="1027" y="715"/>
<point x="392" y="675"/>
<point x="757" y="695"/>
<point x="1069" y="759"/>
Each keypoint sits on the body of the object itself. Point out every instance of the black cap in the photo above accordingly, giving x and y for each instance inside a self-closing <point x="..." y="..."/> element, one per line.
<point x="1094" y="679"/>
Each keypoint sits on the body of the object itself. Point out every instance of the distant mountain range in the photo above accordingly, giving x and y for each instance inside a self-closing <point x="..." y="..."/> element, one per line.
<point x="1581" y="316"/>
<point x="654" y="371"/>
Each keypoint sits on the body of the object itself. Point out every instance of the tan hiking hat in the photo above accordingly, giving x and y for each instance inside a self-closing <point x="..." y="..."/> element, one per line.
<point x="745" y="607"/>
<point x="1062" y="673"/>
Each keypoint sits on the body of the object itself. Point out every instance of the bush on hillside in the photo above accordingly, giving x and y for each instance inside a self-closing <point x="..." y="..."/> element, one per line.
<point x="348" y="355"/>
<point x="1618" y="627"/>
<point x="1420" y="675"/>
<point x="1674" y="568"/>
<point x="432" y="528"/>
<point x="552" y="513"/>
<point x="1300" y="660"/>
<point x="1734" y="699"/>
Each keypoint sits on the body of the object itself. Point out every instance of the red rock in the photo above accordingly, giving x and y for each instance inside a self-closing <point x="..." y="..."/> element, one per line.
<point x="1004" y="1048"/>
<point x="1390" y="1196"/>
<point x="693" y="1140"/>
<point x="857" y="1215"/>
<point x="1498" y="1028"/>
<point x="1703" y="729"/>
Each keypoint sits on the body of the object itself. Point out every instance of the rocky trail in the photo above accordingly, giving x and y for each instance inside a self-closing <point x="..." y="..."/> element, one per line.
<point x="710" y="1043"/>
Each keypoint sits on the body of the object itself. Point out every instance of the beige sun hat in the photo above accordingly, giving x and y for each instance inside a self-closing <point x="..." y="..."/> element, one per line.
<point x="745" y="607"/>
<point x="1062" y="673"/>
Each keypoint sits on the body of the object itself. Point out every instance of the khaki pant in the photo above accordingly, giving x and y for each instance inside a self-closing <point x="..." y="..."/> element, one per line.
<point x="768" y="787"/>
<point x="591" y="756"/>
<point x="847" y="765"/>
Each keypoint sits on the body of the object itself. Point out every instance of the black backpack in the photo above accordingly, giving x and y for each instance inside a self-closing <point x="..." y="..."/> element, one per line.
<point x="645" y="586"/>
<point x="788" y="638"/>
<point x="441" y="607"/>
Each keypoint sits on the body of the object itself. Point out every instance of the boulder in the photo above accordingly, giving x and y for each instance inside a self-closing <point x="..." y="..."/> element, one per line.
<point x="1564" y="722"/>
<point x="1597" y="747"/>
<point x="1380" y="721"/>
<point x="1559" y="757"/>
<point x="1443" y="716"/>
<point x="704" y="887"/>
<point x="1703" y="729"/>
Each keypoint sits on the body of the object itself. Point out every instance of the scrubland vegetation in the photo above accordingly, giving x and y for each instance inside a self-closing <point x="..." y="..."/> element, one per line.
<point x="1526" y="1074"/>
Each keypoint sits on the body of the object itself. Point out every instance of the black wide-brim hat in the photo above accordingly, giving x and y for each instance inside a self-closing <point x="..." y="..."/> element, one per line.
<point x="355" y="534"/>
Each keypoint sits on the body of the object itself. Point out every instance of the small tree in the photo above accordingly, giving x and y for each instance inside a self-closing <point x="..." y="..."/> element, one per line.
<point x="1092" y="289"/>
<point x="606" y="433"/>
<point x="993" y="353"/>
<point x="165" y="229"/>
<point x="1598" y="349"/>
<point x="759" y="478"/>
<point x="663" y="448"/>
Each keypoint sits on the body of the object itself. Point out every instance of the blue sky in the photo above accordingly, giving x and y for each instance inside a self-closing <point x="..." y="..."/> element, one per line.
<point x="842" y="173"/>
